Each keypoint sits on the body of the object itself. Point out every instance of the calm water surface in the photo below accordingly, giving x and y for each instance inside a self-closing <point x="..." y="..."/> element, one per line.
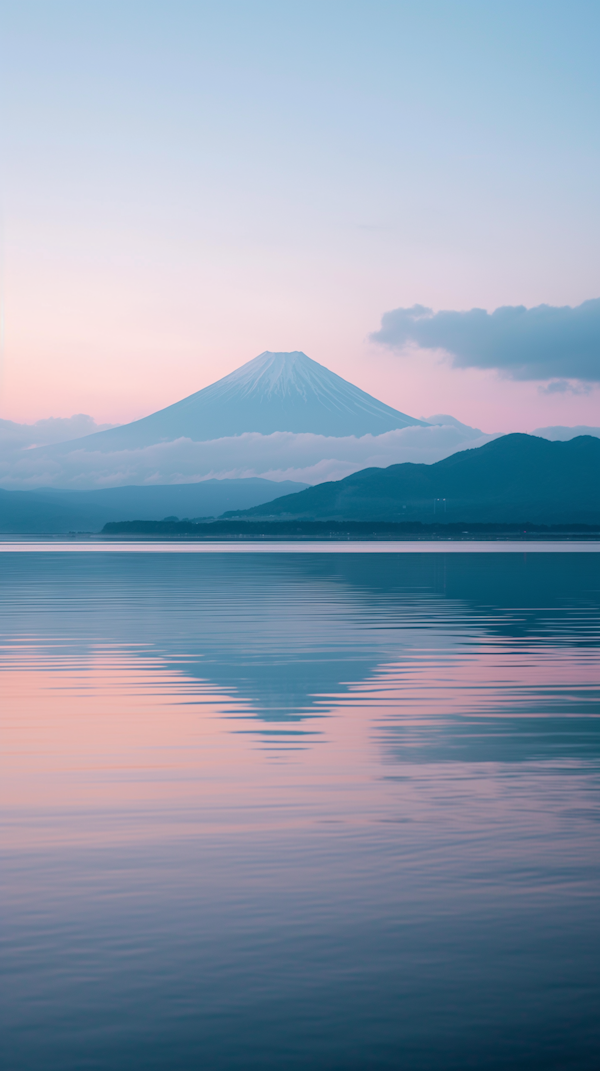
<point x="310" y="810"/>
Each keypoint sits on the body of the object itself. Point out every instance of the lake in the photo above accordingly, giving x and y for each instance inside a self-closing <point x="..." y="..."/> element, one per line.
<point x="314" y="807"/>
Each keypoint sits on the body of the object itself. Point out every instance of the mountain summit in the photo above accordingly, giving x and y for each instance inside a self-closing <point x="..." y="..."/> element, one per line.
<point x="273" y="392"/>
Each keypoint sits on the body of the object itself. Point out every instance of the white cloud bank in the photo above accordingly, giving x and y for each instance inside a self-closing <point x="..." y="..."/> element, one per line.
<point x="281" y="456"/>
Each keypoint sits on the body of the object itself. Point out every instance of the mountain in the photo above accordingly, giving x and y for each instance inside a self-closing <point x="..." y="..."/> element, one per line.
<point x="563" y="433"/>
<point x="512" y="478"/>
<point x="446" y="421"/>
<point x="273" y="392"/>
<point x="55" y="512"/>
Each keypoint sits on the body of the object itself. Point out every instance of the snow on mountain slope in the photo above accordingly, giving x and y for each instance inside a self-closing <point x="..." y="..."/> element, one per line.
<point x="274" y="392"/>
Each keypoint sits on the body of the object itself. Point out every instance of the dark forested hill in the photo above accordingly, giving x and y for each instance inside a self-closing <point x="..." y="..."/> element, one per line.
<point x="513" y="478"/>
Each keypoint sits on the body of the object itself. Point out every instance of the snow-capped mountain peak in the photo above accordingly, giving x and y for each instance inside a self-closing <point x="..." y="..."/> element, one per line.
<point x="285" y="392"/>
<point x="276" y="373"/>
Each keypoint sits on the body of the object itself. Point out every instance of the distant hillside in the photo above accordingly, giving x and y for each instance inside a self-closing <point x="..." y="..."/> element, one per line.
<point x="559" y="431"/>
<point x="56" y="512"/>
<point x="514" y="478"/>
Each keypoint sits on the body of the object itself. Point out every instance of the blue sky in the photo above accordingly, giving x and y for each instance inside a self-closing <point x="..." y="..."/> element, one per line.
<point x="186" y="185"/>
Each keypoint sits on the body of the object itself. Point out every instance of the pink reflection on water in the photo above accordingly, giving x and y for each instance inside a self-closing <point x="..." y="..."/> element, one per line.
<point x="125" y="747"/>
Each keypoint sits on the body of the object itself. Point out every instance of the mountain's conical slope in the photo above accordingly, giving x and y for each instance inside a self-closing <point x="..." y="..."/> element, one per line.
<point x="273" y="392"/>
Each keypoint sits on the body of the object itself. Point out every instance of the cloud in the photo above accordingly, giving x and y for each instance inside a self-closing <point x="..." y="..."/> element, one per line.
<point x="50" y="430"/>
<point x="543" y="343"/>
<point x="564" y="386"/>
<point x="280" y="456"/>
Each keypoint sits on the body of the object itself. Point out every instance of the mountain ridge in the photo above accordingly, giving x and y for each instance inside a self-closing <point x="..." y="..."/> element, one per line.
<point x="55" y="511"/>
<point x="513" y="477"/>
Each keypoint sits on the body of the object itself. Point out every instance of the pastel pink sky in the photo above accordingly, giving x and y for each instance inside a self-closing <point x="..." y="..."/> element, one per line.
<point x="195" y="189"/>
<point x="121" y="347"/>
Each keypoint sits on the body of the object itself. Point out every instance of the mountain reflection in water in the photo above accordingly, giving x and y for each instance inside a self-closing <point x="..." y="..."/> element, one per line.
<point x="327" y="811"/>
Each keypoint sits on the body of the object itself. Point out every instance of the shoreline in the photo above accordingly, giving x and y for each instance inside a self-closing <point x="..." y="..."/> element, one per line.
<point x="151" y="546"/>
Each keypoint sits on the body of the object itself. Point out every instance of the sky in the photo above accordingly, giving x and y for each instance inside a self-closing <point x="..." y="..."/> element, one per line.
<point x="188" y="184"/>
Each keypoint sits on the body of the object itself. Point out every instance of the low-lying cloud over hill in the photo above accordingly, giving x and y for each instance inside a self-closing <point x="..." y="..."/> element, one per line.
<point x="304" y="457"/>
